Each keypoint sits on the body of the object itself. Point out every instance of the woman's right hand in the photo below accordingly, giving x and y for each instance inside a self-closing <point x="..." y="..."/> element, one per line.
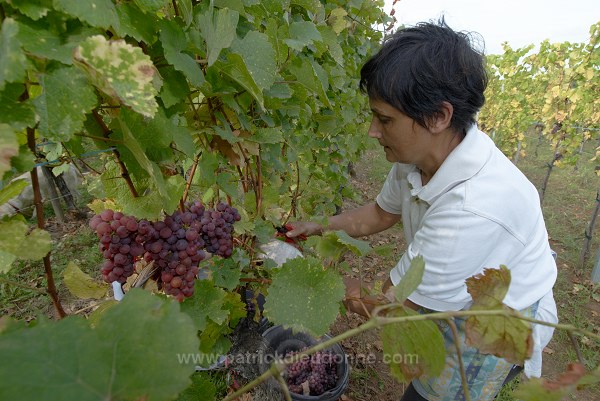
<point x="306" y="228"/>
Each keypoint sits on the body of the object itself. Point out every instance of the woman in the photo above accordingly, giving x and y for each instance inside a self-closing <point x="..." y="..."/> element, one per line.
<point x="464" y="206"/>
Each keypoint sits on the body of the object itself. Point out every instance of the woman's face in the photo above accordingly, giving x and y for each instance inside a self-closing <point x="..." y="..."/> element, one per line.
<point x="403" y="140"/>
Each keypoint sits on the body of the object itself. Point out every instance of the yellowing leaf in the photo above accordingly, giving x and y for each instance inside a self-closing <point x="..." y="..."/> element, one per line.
<point x="82" y="285"/>
<point x="121" y="71"/>
<point x="506" y="337"/>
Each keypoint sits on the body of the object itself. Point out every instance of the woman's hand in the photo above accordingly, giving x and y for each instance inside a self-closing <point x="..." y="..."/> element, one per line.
<point x="306" y="228"/>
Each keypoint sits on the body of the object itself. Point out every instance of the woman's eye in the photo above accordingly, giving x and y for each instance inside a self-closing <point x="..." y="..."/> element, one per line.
<point x="384" y="120"/>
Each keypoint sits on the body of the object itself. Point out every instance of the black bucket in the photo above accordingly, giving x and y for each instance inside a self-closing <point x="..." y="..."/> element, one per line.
<point x="283" y="341"/>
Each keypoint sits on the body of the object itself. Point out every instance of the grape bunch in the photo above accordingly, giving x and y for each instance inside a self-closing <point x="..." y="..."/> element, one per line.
<point x="115" y="232"/>
<point x="319" y="370"/>
<point x="176" y="244"/>
<point x="217" y="229"/>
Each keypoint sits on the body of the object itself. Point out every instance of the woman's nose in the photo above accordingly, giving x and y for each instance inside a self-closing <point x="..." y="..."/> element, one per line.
<point x="374" y="130"/>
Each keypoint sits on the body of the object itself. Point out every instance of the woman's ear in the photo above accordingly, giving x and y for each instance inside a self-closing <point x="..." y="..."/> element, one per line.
<point x="442" y="119"/>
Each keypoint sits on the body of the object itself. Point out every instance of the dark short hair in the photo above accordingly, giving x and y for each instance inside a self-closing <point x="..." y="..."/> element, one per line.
<point x="419" y="67"/>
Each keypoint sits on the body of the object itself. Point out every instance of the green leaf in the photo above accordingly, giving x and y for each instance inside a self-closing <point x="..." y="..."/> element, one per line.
<point x="175" y="87"/>
<point x="43" y="43"/>
<point x="302" y="34"/>
<point x="331" y="41"/>
<point x="335" y="243"/>
<point x="202" y="389"/>
<point x="506" y="337"/>
<point x="236" y="69"/>
<point x="226" y="273"/>
<point x="267" y="135"/>
<point x="135" y="147"/>
<point x="121" y="71"/>
<point x="9" y="148"/>
<point x="259" y="57"/>
<point x="414" y="348"/>
<point x="19" y="115"/>
<point x="218" y="29"/>
<point x="12" y="59"/>
<point x="100" y="13"/>
<point x="411" y="280"/>
<point x="15" y="236"/>
<point x="173" y="41"/>
<point x="304" y="296"/>
<point x="151" y="6"/>
<point x="82" y="285"/>
<point x="361" y="248"/>
<point x="186" y="10"/>
<point x="11" y="190"/>
<point x="24" y="161"/>
<point x="305" y="72"/>
<point x="125" y="356"/>
<point x="135" y="23"/>
<point x="34" y="9"/>
<point x="63" y="104"/>
<point x="207" y="303"/>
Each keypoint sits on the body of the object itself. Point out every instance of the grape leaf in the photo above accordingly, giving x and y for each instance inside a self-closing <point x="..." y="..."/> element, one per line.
<point x="311" y="5"/>
<point x="304" y="70"/>
<point x="18" y="115"/>
<point x="302" y="33"/>
<point x="335" y="243"/>
<point x="226" y="273"/>
<point x="218" y="29"/>
<point x="413" y="349"/>
<point x="82" y="285"/>
<point x="304" y="296"/>
<point x="15" y="235"/>
<point x="259" y="57"/>
<point x="121" y="71"/>
<point x="236" y="69"/>
<point x="536" y="389"/>
<point x="63" y="104"/>
<point x="186" y="10"/>
<point x="175" y="87"/>
<point x="135" y="23"/>
<point x="267" y="135"/>
<point x="361" y="248"/>
<point x="100" y="13"/>
<point x="12" y="59"/>
<point x="173" y="42"/>
<point x="34" y="9"/>
<point x="43" y="43"/>
<point x="330" y="40"/>
<point x="411" y="279"/>
<point x="202" y="389"/>
<point x="489" y="288"/>
<point x="9" y="148"/>
<point x="12" y="189"/>
<point x="124" y="357"/>
<point x="506" y="337"/>
<point x="136" y="148"/>
<point x="337" y="20"/>
<point x="151" y="6"/>
<point x="207" y="303"/>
